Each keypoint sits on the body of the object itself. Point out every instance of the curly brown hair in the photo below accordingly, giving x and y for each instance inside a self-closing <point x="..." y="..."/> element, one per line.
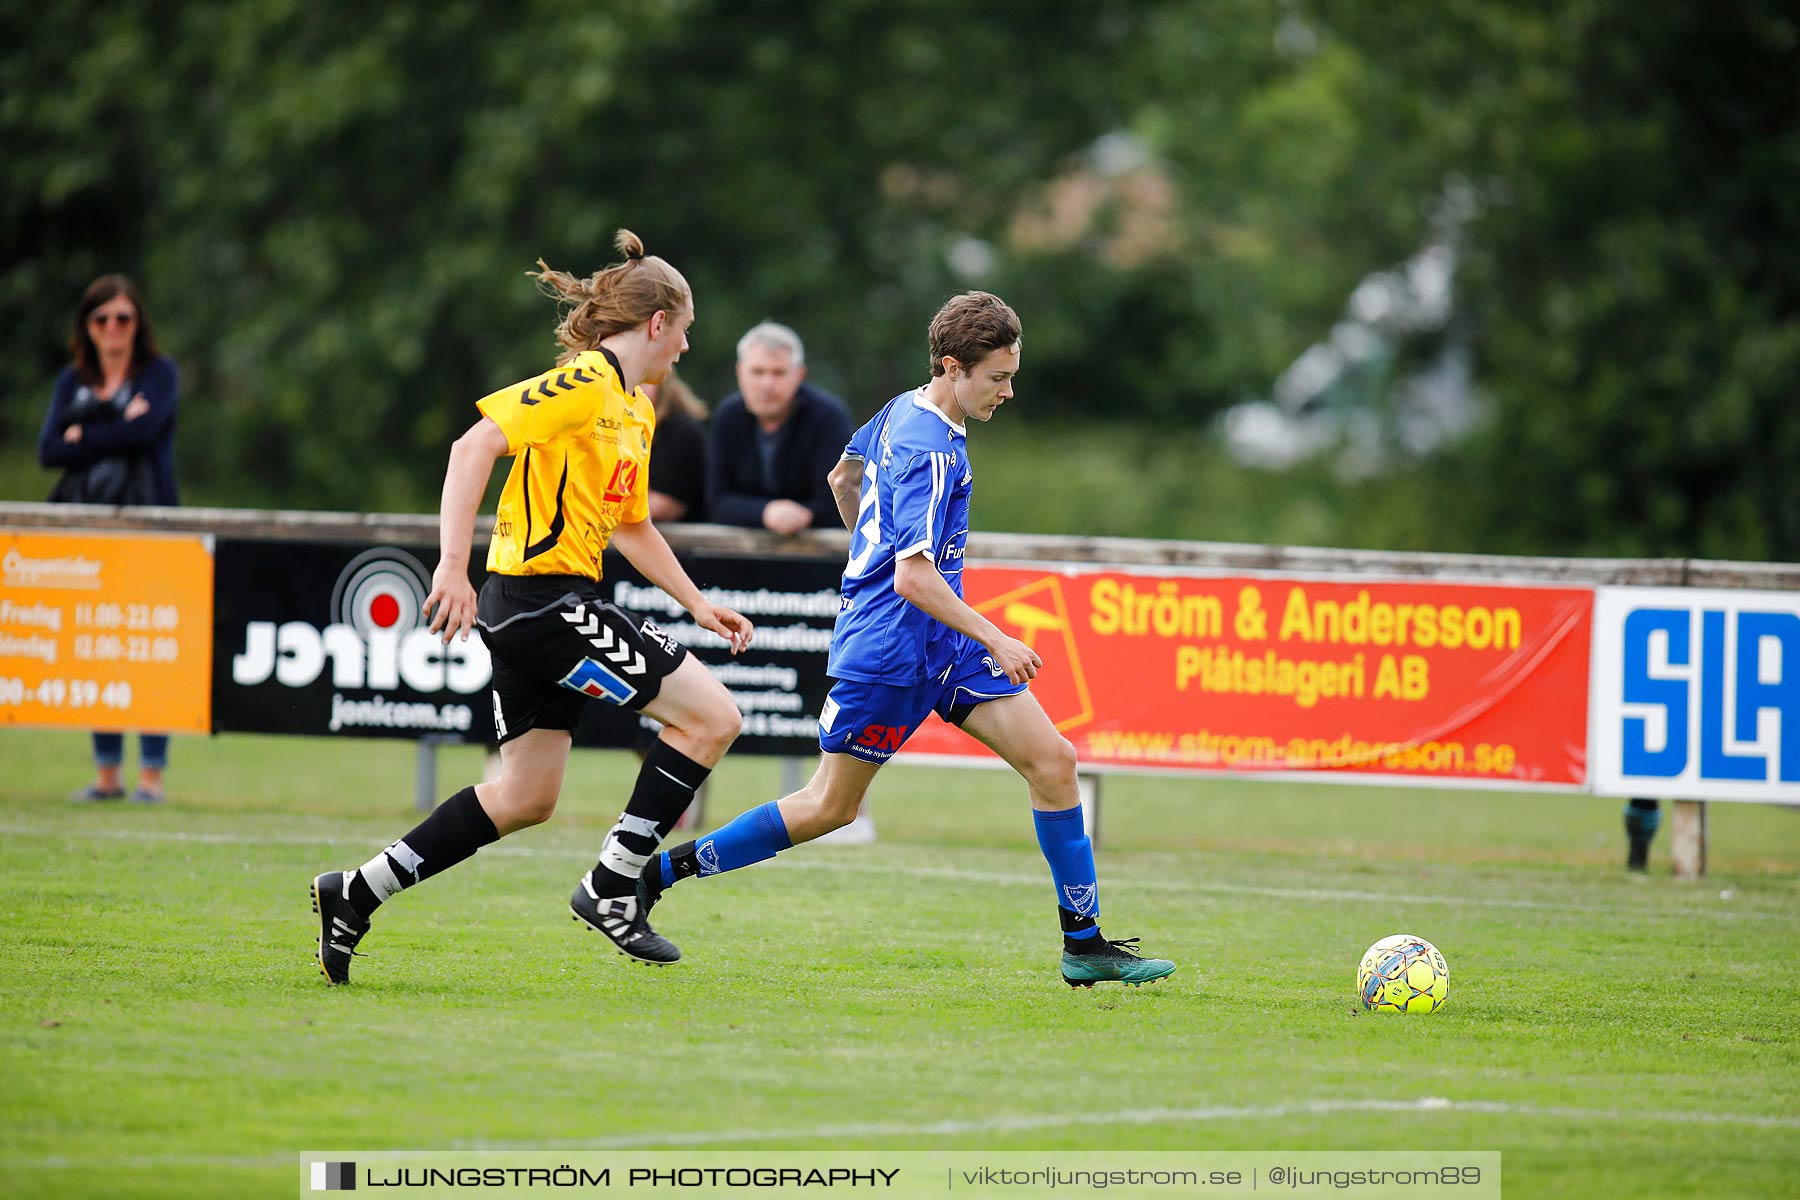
<point x="969" y="328"/>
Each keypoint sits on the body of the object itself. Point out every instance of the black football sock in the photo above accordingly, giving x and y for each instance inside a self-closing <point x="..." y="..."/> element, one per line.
<point x="669" y="867"/>
<point x="1081" y="935"/>
<point x="665" y="787"/>
<point x="455" y="829"/>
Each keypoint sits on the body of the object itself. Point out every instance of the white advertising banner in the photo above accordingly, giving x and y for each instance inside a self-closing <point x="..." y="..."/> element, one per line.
<point x="1695" y="694"/>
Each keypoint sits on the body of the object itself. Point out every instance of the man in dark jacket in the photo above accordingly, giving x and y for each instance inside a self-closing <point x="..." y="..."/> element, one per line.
<point x="775" y="440"/>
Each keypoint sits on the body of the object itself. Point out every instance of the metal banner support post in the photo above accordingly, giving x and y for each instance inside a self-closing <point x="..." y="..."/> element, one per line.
<point x="425" y="788"/>
<point x="1687" y="846"/>
<point x="1089" y="788"/>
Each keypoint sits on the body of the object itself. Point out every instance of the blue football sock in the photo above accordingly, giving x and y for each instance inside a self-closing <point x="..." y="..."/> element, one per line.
<point x="749" y="838"/>
<point x="1071" y="857"/>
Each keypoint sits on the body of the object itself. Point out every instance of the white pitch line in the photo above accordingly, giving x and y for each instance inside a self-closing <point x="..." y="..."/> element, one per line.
<point x="154" y="1162"/>
<point x="691" y="1139"/>
<point x="1138" y="1116"/>
<point x="173" y="835"/>
<point x="1282" y="893"/>
<point x="957" y="873"/>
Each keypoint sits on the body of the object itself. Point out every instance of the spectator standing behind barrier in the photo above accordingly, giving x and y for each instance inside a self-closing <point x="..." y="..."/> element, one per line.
<point x="775" y="440"/>
<point x="111" y="429"/>
<point x="1642" y="816"/>
<point x="678" y="468"/>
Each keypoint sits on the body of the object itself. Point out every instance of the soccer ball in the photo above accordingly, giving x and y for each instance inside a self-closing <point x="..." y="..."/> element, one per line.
<point x="1404" y="974"/>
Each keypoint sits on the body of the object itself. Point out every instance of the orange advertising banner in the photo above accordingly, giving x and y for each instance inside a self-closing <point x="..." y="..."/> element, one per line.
<point x="1298" y="675"/>
<point x="106" y="631"/>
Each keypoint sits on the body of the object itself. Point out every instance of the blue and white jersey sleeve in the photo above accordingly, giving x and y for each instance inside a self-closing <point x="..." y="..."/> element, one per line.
<point x="916" y="495"/>
<point x="862" y="442"/>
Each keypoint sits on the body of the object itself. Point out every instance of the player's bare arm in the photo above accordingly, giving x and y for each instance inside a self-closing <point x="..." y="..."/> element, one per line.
<point x="917" y="581"/>
<point x="846" y="488"/>
<point x="451" y="604"/>
<point x="644" y="546"/>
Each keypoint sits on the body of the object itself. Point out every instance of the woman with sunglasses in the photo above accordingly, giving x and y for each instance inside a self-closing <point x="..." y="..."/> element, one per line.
<point x="111" y="430"/>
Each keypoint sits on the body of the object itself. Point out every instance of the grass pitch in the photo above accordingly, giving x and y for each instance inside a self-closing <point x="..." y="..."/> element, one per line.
<point x="164" y="1030"/>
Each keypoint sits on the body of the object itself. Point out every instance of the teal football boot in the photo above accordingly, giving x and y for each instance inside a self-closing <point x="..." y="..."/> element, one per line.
<point x="1112" y="962"/>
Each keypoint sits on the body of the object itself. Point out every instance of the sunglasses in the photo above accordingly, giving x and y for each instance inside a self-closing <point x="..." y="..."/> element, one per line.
<point x="116" y="318"/>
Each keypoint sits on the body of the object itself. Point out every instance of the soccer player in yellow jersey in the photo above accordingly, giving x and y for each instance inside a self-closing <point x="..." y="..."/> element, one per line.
<point x="580" y="437"/>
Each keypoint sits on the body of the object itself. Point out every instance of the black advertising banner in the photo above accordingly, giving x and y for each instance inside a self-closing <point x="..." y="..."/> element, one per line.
<point x="328" y="639"/>
<point x="779" y="684"/>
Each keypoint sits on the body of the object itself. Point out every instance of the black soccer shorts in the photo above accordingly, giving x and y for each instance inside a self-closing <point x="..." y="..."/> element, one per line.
<point x="556" y="643"/>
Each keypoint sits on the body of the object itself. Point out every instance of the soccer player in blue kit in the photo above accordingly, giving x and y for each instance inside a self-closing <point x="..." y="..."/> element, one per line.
<point x="906" y="645"/>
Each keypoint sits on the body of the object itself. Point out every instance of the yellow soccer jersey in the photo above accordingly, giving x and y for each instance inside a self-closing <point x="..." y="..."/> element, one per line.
<point x="581" y="466"/>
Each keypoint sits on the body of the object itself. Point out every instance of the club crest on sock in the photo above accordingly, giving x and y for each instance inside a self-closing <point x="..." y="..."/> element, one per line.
<point x="708" y="856"/>
<point x="1081" y="897"/>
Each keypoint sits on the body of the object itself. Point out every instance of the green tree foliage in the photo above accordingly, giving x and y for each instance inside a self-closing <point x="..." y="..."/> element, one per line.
<point x="1631" y="285"/>
<point x="332" y="208"/>
<point x="332" y="217"/>
<point x="1637" y="279"/>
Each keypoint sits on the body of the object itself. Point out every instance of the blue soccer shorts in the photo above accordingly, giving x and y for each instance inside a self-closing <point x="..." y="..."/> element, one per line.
<point x="873" y="720"/>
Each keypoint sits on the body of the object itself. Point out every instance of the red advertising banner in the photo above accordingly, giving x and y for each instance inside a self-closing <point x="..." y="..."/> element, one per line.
<point x="1242" y="674"/>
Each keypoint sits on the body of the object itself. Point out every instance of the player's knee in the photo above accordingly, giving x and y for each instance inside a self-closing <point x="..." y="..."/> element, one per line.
<point x="1056" y="761"/>
<point x="838" y="811"/>
<point x="833" y="805"/>
<point x="731" y="723"/>
<point x="719" y="726"/>
<point x="705" y="728"/>
<point x="534" y="813"/>
<point x="527" y="804"/>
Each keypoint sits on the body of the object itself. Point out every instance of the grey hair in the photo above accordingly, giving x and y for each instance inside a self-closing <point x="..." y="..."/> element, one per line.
<point x="775" y="336"/>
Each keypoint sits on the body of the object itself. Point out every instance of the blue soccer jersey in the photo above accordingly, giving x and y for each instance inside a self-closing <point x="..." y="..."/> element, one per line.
<point x="915" y="500"/>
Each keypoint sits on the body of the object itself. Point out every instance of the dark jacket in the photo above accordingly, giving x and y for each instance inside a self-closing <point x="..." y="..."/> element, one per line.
<point x="810" y="445"/>
<point x="678" y="461"/>
<point x="152" y="434"/>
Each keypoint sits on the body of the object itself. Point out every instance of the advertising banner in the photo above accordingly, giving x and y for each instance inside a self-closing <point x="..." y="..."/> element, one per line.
<point x="1696" y="694"/>
<point x="779" y="683"/>
<point x="106" y="631"/>
<point x="1419" y="680"/>
<point x="329" y="639"/>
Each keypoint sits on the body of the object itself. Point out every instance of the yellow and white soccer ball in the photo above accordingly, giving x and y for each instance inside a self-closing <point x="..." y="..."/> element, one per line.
<point x="1404" y="974"/>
